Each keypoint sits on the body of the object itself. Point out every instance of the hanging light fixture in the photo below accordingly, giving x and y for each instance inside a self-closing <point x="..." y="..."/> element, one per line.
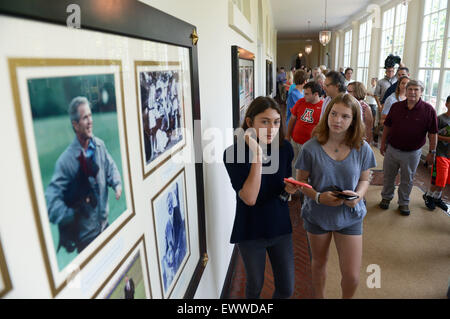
<point x="308" y="47"/>
<point x="325" y="35"/>
<point x="300" y="54"/>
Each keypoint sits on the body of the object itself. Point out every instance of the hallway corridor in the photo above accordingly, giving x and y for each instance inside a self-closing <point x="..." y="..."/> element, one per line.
<point x="413" y="256"/>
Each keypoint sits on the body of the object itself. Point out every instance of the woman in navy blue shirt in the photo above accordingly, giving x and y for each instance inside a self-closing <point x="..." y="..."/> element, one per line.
<point x="257" y="163"/>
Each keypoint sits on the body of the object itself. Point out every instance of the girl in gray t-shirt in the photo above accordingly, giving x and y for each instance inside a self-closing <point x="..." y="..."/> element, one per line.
<point x="337" y="156"/>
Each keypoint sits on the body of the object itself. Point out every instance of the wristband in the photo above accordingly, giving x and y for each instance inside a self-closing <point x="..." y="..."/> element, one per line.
<point x="317" y="198"/>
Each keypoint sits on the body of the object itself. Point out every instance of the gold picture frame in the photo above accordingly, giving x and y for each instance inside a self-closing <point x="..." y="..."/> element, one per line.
<point x="158" y="67"/>
<point x="137" y="248"/>
<point x="6" y="284"/>
<point x="57" y="280"/>
<point x="156" y="201"/>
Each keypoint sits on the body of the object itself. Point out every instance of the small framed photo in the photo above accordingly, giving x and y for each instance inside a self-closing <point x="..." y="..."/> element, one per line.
<point x="161" y="104"/>
<point x="243" y="82"/>
<point x="130" y="279"/>
<point x="269" y="78"/>
<point x="170" y="218"/>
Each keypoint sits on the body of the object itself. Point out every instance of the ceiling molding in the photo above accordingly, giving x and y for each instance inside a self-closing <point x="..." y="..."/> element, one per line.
<point x="340" y="14"/>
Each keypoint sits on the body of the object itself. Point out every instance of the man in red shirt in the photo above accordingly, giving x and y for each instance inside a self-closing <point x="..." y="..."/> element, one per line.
<point x="305" y="116"/>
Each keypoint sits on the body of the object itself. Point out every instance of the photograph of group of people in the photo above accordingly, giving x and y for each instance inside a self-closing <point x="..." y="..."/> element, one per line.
<point x="162" y="112"/>
<point x="246" y="86"/>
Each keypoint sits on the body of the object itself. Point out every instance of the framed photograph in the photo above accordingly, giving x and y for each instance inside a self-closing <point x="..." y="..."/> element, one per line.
<point x="130" y="78"/>
<point x="5" y="280"/>
<point x="73" y="130"/>
<point x="170" y="218"/>
<point x="130" y="279"/>
<point x="269" y="78"/>
<point x="161" y="105"/>
<point x="243" y="82"/>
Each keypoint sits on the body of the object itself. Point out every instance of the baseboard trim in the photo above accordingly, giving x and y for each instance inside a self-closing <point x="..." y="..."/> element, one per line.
<point x="225" y="294"/>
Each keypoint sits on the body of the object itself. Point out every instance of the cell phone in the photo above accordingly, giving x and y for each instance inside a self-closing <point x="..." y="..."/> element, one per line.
<point x="345" y="196"/>
<point x="295" y="182"/>
<point x="337" y="191"/>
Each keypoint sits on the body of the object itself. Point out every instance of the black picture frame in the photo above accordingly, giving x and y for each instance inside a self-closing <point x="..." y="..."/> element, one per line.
<point x="135" y="20"/>
<point x="239" y="57"/>
<point x="269" y="78"/>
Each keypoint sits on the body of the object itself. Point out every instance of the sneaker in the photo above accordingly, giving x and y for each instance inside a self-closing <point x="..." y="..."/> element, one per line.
<point x="441" y="204"/>
<point x="404" y="210"/>
<point x="429" y="202"/>
<point x="384" y="204"/>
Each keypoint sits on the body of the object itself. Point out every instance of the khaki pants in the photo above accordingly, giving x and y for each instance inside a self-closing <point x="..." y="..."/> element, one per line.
<point x="297" y="148"/>
<point x="406" y="162"/>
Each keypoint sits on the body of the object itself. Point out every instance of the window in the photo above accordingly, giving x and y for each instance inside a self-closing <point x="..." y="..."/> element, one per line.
<point x="365" y="32"/>
<point x="347" y="48"/>
<point x="433" y="63"/>
<point x="336" y="61"/>
<point x="244" y="7"/>
<point x="393" y="33"/>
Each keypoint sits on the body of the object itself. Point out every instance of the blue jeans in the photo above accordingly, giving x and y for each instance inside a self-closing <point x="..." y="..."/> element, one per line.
<point x="281" y="255"/>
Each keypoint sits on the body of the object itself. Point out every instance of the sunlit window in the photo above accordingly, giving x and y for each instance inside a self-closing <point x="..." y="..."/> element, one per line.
<point x="365" y="32"/>
<point x="336" y="61"/>
<point x="433" y="63"/>
<point x="347" y="48"/>
<point x="393" y="33"/>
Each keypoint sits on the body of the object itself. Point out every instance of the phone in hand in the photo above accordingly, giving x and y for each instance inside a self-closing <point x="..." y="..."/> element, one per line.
<point x="337" y="191"/>
<point x="295" y="182"/>
<point x="345" y="196"/>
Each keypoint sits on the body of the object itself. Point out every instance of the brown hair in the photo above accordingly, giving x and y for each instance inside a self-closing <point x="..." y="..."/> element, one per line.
<point x="356" y="131"/>
<point x="360" y="90"/>
<point x="300" y="77"/>
<point x="397" y="90"/>
<point x="259" y="105"/>
<point x="313" y="86"/>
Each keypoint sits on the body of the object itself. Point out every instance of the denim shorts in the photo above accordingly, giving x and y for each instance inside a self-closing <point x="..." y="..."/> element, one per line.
<point x="355" y="229"/>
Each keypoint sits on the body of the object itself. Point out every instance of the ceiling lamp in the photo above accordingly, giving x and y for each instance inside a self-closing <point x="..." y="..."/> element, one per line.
<point x="325" y="35"/>
<point x="300" y="55"/>
<point x="308" y="47"/>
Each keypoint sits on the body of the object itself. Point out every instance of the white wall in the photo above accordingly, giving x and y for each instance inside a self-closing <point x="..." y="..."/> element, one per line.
<point x="214" y="56"/>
